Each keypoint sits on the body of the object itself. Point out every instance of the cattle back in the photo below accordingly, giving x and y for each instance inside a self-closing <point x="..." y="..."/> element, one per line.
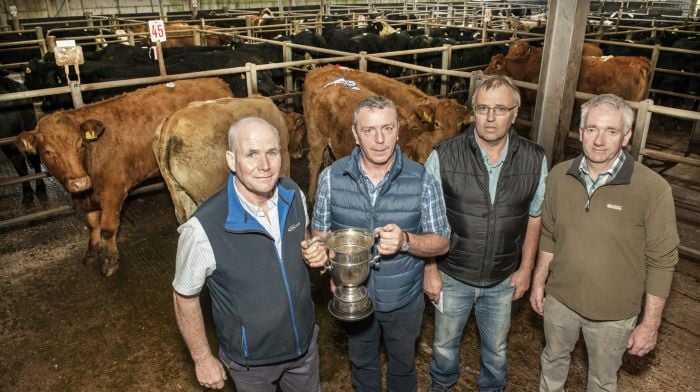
<point x="190" y="147"/>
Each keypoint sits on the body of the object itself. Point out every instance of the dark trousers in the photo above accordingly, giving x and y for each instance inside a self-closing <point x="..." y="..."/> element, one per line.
<point x="400" y="329"/>
<point x="298" y="375"/>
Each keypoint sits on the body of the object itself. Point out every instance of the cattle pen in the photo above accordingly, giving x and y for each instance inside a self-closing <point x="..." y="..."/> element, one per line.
<point x="66" y="327"/>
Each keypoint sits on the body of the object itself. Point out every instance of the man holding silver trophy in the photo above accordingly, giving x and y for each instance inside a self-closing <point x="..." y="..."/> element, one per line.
<point x="378" y="192"/>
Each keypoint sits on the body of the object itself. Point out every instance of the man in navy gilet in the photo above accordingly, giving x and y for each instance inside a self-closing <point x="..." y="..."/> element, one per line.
<point x="244" y="243"/>
<point x="493" y="182"/>
<point x="377" y="187"/>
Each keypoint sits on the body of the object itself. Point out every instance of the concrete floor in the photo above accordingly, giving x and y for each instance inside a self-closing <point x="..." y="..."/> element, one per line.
<point x="65" y="327"/>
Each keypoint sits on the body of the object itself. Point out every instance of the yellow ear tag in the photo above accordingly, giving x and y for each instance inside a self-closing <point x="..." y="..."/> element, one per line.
<point x="427" y="117"/>
<point x="90" y="135"/>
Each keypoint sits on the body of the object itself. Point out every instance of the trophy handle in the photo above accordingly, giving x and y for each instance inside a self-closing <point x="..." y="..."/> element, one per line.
<point x="322" y="240"/>
<point x="374" y="261"/>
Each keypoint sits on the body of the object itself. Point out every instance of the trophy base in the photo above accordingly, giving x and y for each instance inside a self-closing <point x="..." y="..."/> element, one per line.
<point x="350" y="315"/>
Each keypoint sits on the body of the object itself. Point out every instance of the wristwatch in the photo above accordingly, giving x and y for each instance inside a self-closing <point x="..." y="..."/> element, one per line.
<point x="406" y="246"/>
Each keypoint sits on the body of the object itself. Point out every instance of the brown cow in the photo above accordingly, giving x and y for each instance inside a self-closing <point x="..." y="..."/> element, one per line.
<point x="190" y="146"/>
<point x="331" y="94"/>
<point x="182" y="34"/>
<point x="100" y="151"/>
<point x="295" y="124"/>
<point x="625" y="76"/>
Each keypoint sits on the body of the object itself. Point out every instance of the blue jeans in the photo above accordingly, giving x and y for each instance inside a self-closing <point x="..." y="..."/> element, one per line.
<point x="492" y="310"/>
<point x="400" y="328"/>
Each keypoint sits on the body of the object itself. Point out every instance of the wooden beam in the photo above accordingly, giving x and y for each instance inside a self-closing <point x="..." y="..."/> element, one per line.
<point x="566" y="28"/>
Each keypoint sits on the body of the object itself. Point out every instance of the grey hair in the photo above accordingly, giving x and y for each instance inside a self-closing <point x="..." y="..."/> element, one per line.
<point x="490" y="82"/>
<point x="373" y="102"/>
<point x="244" y="123"/>
<point x="614" y="102"/>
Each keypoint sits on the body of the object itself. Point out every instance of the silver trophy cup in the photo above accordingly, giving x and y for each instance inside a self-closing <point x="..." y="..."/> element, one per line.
<point x="349" y="269"/>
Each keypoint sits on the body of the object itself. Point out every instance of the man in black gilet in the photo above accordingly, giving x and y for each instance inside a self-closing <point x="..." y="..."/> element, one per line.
<point x="493" y="184"/>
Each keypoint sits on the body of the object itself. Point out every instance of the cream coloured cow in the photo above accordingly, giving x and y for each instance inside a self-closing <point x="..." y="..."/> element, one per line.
<point x="190" y="146"/>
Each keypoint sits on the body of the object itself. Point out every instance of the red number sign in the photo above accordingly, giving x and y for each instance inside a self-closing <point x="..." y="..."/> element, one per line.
<point x="157" y="30"/>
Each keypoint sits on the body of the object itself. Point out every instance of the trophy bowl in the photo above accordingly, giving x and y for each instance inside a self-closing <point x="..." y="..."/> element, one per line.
<point x="353" y="251"/>
<point x="349" y="268"/>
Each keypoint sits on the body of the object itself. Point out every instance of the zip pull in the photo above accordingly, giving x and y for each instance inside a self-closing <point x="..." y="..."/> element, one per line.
<point x="588" y="204"/>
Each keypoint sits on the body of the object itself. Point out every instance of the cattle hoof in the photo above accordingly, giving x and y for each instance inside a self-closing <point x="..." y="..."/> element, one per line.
<point x="109" y="268"/>
<point x="91" y="257"/>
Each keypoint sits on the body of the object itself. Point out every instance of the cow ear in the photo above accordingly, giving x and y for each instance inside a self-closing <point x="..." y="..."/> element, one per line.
<point x="426" y="112"/>
<point x="91" y="130"/>
<point x="26" y="142"/>
<point x="299" y="122"/>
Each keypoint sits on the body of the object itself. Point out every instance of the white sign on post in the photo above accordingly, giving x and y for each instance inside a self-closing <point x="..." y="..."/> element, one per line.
<point x="65" y="43"/>
<point x="157" y="30"/>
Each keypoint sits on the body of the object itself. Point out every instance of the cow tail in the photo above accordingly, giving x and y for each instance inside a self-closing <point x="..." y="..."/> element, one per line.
<point x="182" y="201"/>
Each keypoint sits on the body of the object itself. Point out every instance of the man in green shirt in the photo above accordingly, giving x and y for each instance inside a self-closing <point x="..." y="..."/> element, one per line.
<point x="608" y="240"/>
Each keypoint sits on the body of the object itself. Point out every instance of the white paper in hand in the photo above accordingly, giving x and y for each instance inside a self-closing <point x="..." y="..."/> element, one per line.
<point x="439" y="304"/>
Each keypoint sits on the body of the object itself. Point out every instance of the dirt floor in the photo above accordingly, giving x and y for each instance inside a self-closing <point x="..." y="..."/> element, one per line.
<point x="64" y="327"/>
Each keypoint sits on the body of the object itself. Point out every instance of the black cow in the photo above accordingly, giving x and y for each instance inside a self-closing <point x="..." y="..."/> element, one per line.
<point x="679" y="62"/>
<point x="18" y="116"/>
<point x="120" y="62"/>
<point x="20" y="53"/>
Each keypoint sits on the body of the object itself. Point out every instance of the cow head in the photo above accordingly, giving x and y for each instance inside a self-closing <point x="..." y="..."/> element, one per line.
<point x="519" y="50"/>
<point x="497" y="65"/>
<point x="295" y="125"/>
<point x="62" y="144"/>
<point x="451" y="117"/>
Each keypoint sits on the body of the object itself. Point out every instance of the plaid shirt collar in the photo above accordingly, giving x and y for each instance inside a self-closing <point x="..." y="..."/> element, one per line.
<point x="603" y="178"/>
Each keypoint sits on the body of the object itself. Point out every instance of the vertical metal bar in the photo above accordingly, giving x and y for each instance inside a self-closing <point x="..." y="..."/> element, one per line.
<point x="654" y="61"/>
<point x="161" y="63"/>
<point x="252" y="78"/>
<point x="446" y="62"/>
<point x="363" y="61"/>
<point x="288" y="80"/>
<point x="694" y="144"/>
<point x="473" y="82"/>
<point x="50" y="43"/>
<point x="42" y="42"/>
<point x="76" y="95"/>
<point x="639" y="136"/>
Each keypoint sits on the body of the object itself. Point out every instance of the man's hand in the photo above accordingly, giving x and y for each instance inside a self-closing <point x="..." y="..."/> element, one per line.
<point x="537" y="299"/>
<point x="390" y="239"/>
<point x="432" y="282"/>
<point x="539" y="279"/>
<point x="642" y="340"/>
<point x="210" y="372"/>
<point x="521" y="280"/>
<point x="315" y="254"/>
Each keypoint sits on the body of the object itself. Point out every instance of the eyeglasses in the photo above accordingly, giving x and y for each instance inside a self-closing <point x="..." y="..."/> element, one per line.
<point x="498" y="110"/>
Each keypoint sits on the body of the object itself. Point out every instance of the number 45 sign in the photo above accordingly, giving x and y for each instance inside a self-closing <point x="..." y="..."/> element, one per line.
<point x="157" y="30"/>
